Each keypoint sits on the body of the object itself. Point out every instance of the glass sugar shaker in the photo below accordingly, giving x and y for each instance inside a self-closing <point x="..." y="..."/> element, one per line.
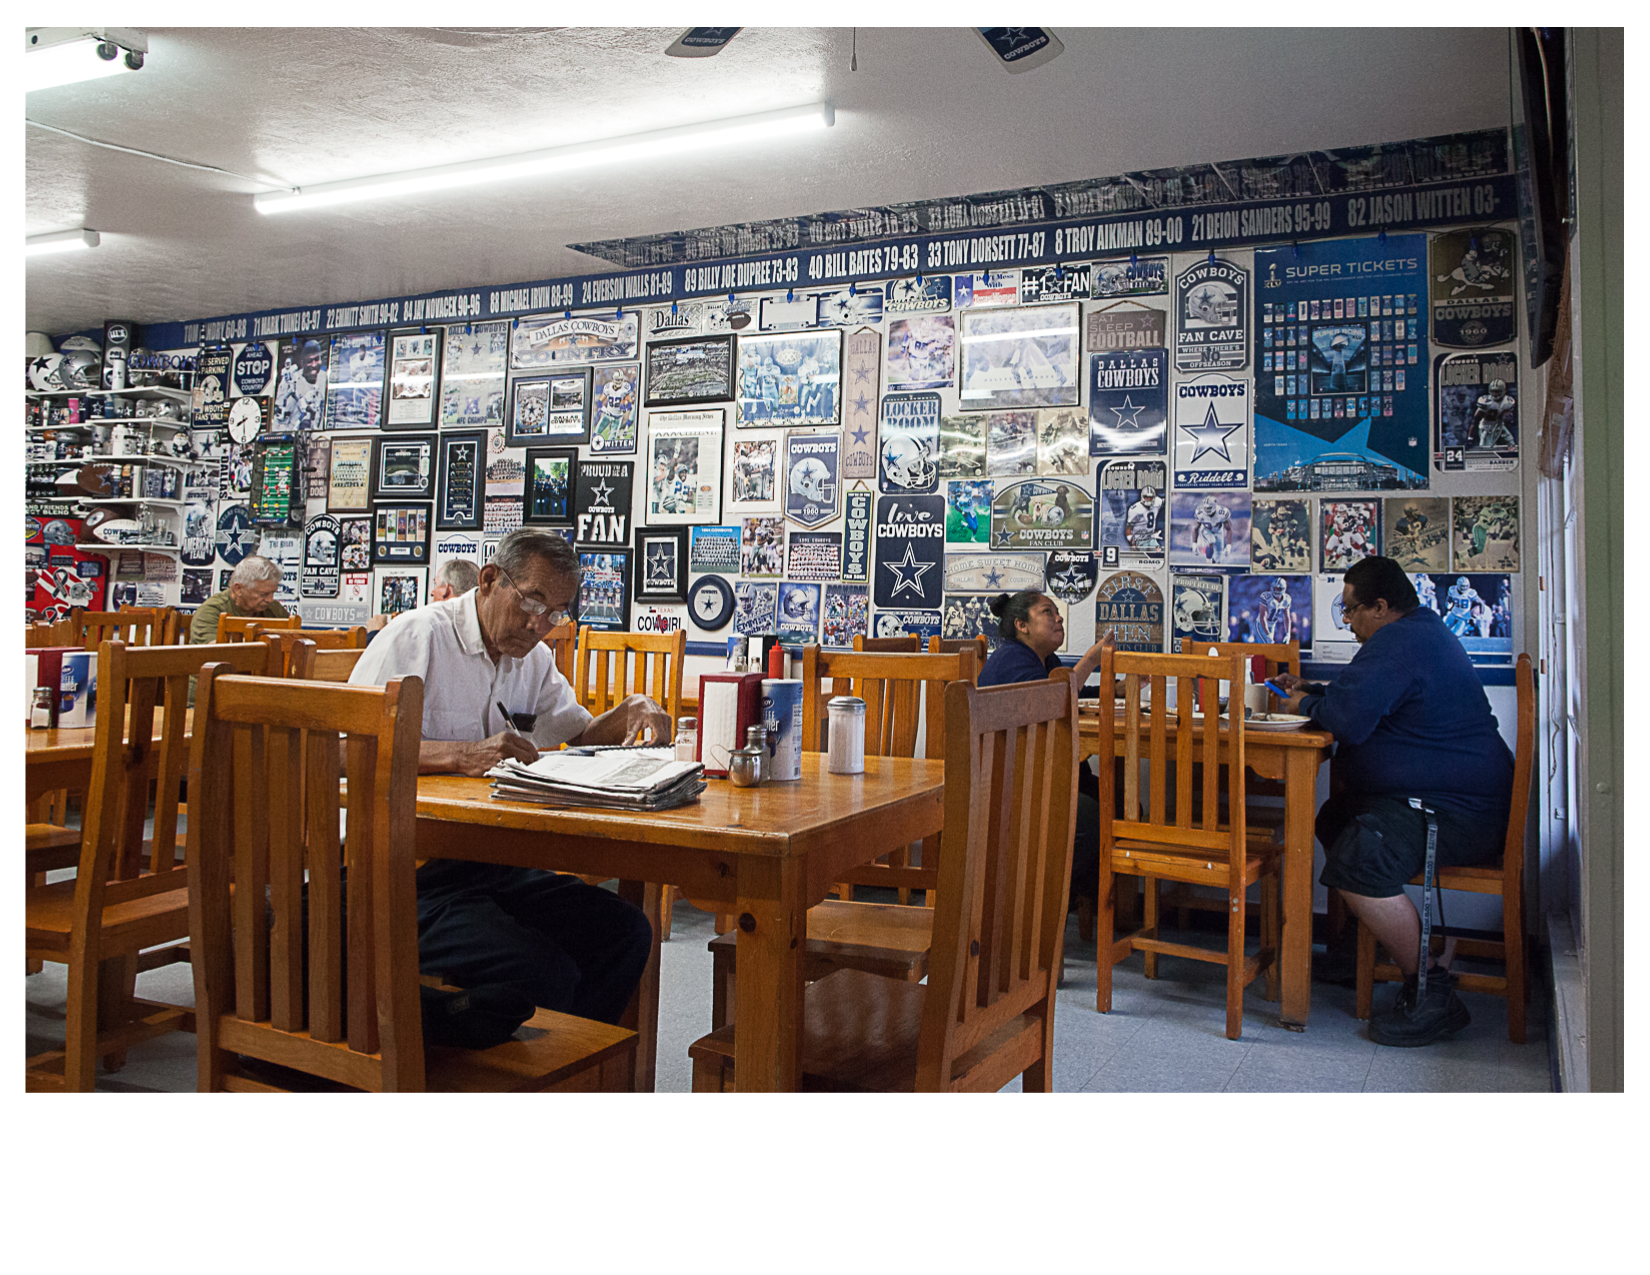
<point x="40" y="717"/>
<point x="847" y="719"/>
<point x="687" y="738"/>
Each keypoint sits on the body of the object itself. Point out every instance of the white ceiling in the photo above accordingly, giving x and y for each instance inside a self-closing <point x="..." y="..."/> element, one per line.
<point x="927" y="114"/>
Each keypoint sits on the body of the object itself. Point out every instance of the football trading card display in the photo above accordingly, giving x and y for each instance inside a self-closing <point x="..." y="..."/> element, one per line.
<point x="1070" y="575"/>
<point x="922" y="353"/>
<point x="550" y="408"/>
<point x="1477" y="416"/>
<point x="798" y="613"/>
<point x="1476" y="608"/>
<point x="1019" y="358"/>
<point x="1136" y="277"/>
<point x="1129" y="606"/>
<point x="1042" y="513"/>
<point x="714" y="549"/>
<point x="968" y="511"/>
<point x="546" y="341"/>
<point x="861" y="379"/>
<point x="401" y="534"/>
<point x="812" y="485"/>
<point x="602" y="503"/>
<point x="1341" y="398"/>
<point x="615" y="394"/>
<point x="1062" y="441"/>
<point x="762" y="548"/>
<point x="755" y="608"/>
<point x="1010" y="444"/>
<point x="1270" y="608"/>
<point x="604" y="589"/>
<point x="403" y="466"/>
<point x="355" y="383"/>
<point x="1211" y="432"/>
<point x="753" y="483"/>
<point x="1348" y="530"/>
<point x="548" y="495"/>
<point x="1416" y="531"/>
<point x="684" y="467"/>
<point x="846" y="610"/>
<point x="962" y="446"/>
<point x="910" y="546"/>
<point x="789" y="378"/>
<point x="689" y="370"/>
<point x="1128" y="403"/>
<point x="1198" y="612"/>
<point x="1281" y="535"/>
<point x="663" y="555"/>
<point x="414" y="363"/>
<point x="856" y="536"/>
<point x="908" y="441"/>
<point x="472" y="374"/>
<point x="301" y="389"/>
<point x="814" y="555"/>
<point x="1134" y="513"/>
<point x="1474" y="282"/>
<point x="1209" y="529"/>
<point x="1212" y="317"/>
<point x="458" y="501"/>
<point x="1486" y="534"/>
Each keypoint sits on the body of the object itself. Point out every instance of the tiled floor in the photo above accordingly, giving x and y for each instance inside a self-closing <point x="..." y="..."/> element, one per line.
<point x="1161" y="1036"/>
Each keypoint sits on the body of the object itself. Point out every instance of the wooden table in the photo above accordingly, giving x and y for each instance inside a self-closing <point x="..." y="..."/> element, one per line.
<point x="62" y="756"/>
<point x="1294" y="757"/>
<point x="763" y="854"/>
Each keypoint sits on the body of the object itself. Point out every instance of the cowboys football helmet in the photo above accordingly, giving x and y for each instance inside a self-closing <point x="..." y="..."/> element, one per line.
<point x="906" y="464"/>
<point x="808" y="479"/>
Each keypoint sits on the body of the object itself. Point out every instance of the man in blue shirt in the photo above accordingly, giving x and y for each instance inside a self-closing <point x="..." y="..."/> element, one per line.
<point x="1412" y="722"/>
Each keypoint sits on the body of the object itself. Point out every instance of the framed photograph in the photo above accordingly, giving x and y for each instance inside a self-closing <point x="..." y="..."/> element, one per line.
<point x="400" y="589"/>
<point x="547" y="409"/>
<point x="604" y="590"/>
<point x="614" y="395"/>
<point x="789" y="378"/>
<point x="754" y="481"/>
<point x="460" y="488"/>
<point x="694" y="369"/>
<point x="663" y="555"/>
<point x="355" y="381"/>
<point x="556" y="340"/>
<point x="548" y="487"/>
<point x="403" y="466"/>
<point x="349" y="476"/>
<point x="684" y="466"/>
<point x="415" y="370"/>
<point x="472" y="374"/>
<point x="1019" y="358"/>
<point x="401" y="534"/>
<point x="301" y="387"/>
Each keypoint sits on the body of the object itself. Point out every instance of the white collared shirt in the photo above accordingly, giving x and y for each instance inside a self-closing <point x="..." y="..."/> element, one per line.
<point x="442" y="644"/>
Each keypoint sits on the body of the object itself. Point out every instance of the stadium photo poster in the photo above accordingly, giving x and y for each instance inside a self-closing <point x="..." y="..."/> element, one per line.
<point x="1270" y="608"/>
<point x="355" y="381"/>
<point x="968" y="511"/>
<point x="962" y="446"/>
<point x="1416" y="531"/>
<point x="846" y="612"/>
<point x="614" y="393"/>
<point x="908" y="442"/>
<point x="753" y="483"/>
<point x="1341" y="395"/>
<point x="1128" y="403"/>
<point x="404" y="465"/>
<point x="1209" y="529"/>
<point x="1134" y="509"/>
<point x="1474" y="285"/>
<point x="473" y="364"/>
<point x="1010" y="444"/>
<point x="1198" y="612"/>
<point x="1348" y="531"/>
<point x="1019" y="358"/>
<point x="1042" y="513"/>
<point x="1476" y="608"/>
<point x="789" y="378"/>
<point x="604" y="589"/>
<point x="813" y="484"/>
<point x="922" y="352"/>
<point x="689" y="370"/>
<point x="1062" y="441"/>
<point x="415" y="366"/>
<point x="684" y="467"/>
<point x="1281" y="535"/>
<point x="1477" y="418"/>
<point x="1485" y="534"/>
<point x="548" y="486"/>
<point x="1129" y="606"/>
<point x="1211" y="431"/>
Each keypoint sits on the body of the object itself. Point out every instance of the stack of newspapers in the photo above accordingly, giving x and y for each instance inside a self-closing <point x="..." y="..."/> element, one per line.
<point x="610" y="779"/>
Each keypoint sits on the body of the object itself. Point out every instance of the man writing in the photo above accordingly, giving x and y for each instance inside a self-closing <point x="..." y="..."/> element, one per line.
<point x="251" y="592"/>
<point x="571" y="947"/>
<point x="1412" y="722"/>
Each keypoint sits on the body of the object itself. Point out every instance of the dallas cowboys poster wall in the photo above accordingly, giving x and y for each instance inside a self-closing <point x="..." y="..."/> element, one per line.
<point x="812" y="485"/>
<point x="789" y="378"/>
<point x="908" y="442"/>
<point x="754" y="482"/>
<point x="1134" y="523"/>
<point x="922" y="353"/>
<point x="614" y="395"/>
<point x="1474" y="281"/>
<point x="1212" y="317"/>
<point x="1211" y="435"/>
<point x="1128" y="403"/>
<point x="1477" y="413"/>
<point x="910" y="548"/>
<point x="1023" y="357"/>
<point x="1209" y="529"/>
<point x="1270" y="608"/>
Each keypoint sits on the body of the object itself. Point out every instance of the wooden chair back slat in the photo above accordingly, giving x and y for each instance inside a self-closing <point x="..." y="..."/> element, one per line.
<point x="136" y="627"/>
<point x="562" y="640"/>
<point x="1011" y="807"/>
<point x="361" y="1016"/>
<point x="324" y="856"/>
<point x="311" y="664"/>
<point x="947" y="646"/>
<point x="610" y="666"/>
<point x="900" y="643"/>
<point x="286" y="878"/>
<point x="890" y="684"/>
<point x="283" y="641"/>
<point x="233" y="628"/>
<point x="1281" y="657"/>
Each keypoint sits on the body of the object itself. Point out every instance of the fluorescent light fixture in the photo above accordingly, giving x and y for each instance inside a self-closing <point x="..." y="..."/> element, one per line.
<point x="666" y="143"/>
<point x="55" y="56"/>
<point x="62" y="241"/>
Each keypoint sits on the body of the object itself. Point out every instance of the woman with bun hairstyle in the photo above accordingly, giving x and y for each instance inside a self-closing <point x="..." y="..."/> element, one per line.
<point x="1031" y="631"/>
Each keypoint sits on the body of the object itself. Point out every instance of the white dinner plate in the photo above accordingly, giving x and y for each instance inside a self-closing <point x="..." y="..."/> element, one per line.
<point x="1277" y="721"/>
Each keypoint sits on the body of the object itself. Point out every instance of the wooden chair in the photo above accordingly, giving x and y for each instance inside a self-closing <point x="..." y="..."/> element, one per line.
<point x="888" y="939"/>
<point x="233" y="628"/>
<point x="610" y="666"/>
<point x="270" y="978"/>
<point x="1156" y="843"/>
<point x="116" y="906"/>
<point x="1505" y="878"/>
<point x="165" y="620"/>
<point x="900" y="644"/>
<point x="945" y="646"/>
<point x="283" y="639"/>
<point x="562" y="640"/>
<point x="140" y="626"/>
<point x="987" y="1011"/>
<point x="311" y="664"/>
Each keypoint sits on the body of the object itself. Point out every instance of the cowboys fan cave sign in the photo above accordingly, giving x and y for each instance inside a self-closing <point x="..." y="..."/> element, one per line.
<point x="602" y="503"/>
<point x="910" y="547"/>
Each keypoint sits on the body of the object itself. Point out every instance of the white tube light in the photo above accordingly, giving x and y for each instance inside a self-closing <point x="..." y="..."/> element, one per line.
<point x="70" y="63"/>
<point x="662" y="144"/>
<point x="61" y="241"/>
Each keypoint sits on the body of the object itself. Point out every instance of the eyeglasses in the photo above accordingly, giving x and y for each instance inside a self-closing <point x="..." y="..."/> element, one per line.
<point x="532" y="607"/>
<point x="1346" y="611"/>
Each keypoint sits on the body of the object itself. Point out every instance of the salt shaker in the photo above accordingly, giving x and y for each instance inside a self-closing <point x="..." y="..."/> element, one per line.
<point x="687" y="738"/>
<point x="847" y="755"/>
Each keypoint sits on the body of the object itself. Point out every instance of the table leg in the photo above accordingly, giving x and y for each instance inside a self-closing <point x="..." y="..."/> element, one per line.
<point x="1300" y="793"/>
<point x="772" y="923"/>
<point x="642" y="1015"/>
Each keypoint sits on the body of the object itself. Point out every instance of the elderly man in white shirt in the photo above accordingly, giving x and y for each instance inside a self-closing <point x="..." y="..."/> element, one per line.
<point x="572" y="947"/>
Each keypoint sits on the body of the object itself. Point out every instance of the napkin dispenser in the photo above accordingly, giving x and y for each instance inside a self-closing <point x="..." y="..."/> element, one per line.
<point x="729" y="705"/>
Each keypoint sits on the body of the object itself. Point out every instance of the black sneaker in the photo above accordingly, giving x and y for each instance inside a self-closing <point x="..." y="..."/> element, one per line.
<point x="1419" y="1020"/>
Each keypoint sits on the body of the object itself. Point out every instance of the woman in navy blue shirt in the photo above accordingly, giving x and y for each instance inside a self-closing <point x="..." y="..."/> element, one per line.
<point x="1031" y="631"/>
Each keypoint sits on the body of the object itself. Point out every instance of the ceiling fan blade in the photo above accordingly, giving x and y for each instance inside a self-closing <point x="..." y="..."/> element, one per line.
<point x="1021" y="48"/>
<point x="702" y="42"/>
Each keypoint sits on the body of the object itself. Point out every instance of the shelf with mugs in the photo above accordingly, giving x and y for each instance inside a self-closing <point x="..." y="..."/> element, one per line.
<point x="131" y="392"/>
<point x="98" y="546"/>
<point x="149" y="458"/>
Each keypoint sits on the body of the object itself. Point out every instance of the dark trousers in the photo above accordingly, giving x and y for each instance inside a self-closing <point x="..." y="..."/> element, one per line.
<point x="572" y="947"/>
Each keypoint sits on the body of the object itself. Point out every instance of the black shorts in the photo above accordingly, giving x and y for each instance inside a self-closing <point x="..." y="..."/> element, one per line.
<point x="1374" y="845"/>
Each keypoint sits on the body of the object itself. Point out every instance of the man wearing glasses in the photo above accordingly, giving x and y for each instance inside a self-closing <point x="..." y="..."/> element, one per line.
<point x="571" y="947"/>
<point x="1417" y="742"/>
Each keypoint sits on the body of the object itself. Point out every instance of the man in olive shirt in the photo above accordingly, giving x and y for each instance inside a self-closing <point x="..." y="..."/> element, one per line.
<point x="251" y="592"/>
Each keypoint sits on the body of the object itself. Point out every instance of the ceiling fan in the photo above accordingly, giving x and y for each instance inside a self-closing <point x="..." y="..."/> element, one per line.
<point x="1017" y="48"/>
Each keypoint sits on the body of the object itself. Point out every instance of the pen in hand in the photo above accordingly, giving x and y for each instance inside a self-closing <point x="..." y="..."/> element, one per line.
<point x="510" y="726"/>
